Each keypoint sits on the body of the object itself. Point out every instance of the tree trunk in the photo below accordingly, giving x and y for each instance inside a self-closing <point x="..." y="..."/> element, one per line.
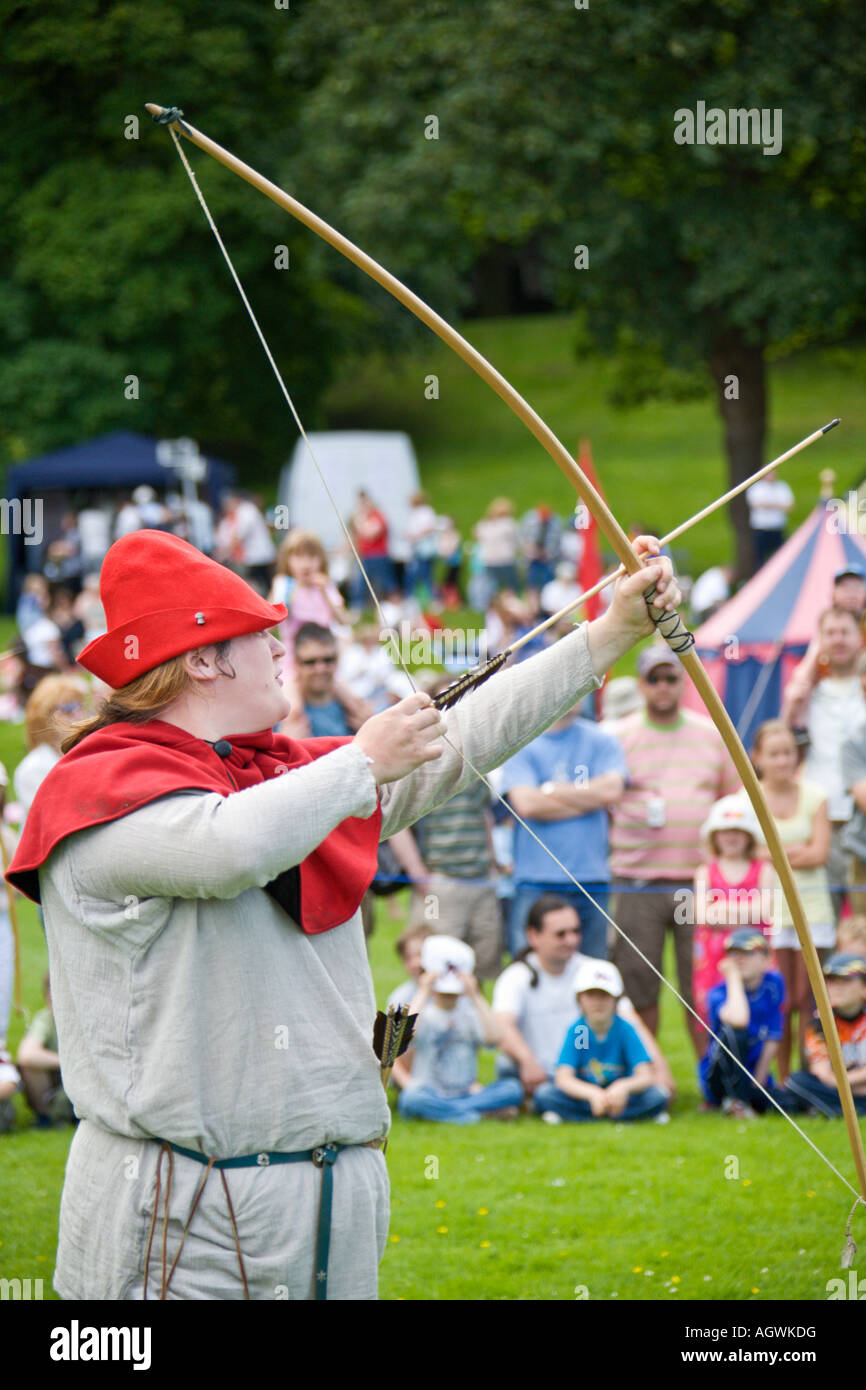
<point x="738" y="369"/>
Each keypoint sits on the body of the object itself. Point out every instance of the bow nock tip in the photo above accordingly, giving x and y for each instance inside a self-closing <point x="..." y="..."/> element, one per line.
<point x="152" y="107"/>
<point x="832" y="425"/>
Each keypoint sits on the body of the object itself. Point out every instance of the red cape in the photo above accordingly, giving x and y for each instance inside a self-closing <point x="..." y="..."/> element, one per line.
<point x="122" y="767"/>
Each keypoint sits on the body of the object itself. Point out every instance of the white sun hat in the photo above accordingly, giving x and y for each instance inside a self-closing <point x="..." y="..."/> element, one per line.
<point x="732" y="813"/>
<point x="447" y="955"/>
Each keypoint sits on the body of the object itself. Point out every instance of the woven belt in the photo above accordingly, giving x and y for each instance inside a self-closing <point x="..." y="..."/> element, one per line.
<point x="324" y="1157"/>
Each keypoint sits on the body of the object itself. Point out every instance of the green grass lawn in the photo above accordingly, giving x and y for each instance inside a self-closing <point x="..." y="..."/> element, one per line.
<point x="702" y="1208"/>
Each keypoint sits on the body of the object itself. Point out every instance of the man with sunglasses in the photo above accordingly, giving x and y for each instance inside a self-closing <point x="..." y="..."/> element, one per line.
<point x="678" y="767"/>
<point x="324" y="709"/>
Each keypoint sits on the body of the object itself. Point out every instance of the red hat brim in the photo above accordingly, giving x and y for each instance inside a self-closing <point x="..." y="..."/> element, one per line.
<point x="123" y="655"/>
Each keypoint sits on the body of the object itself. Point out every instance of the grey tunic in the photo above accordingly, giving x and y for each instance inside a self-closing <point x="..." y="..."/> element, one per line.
<point x="191" y="1008"/>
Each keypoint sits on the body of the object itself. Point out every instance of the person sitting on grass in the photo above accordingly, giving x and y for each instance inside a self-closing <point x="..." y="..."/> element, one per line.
<point x="604" y="1070"/>
<point x="10" y="1082"/>
<point x="816" y="1088"/>
<point x="39" y="1065"/>
<point x="745" y="1012"/>
<point x="533" y="999"/>
<point x="408" y="946"/>
<point x="454" y="1020"/>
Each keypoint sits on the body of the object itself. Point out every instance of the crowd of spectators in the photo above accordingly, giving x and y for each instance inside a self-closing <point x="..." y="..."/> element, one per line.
<point x="627" y="811"/>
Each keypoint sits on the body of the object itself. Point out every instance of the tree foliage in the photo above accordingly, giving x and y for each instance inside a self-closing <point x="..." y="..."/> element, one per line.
<point x="110" y="268"/>
<point x="440" y="136"/>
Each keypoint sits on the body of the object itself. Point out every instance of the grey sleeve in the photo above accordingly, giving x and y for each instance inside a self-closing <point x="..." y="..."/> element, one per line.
<point x="853" y="759"/>
<point x="491" y="723"/>
<point x="202" y="845"/>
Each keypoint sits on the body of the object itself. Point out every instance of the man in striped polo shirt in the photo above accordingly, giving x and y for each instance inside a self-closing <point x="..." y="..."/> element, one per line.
<point x="677" y="767"/>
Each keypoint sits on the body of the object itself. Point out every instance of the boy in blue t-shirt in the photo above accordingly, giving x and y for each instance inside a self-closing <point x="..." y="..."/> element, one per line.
<point x="746" y="1013"/>
<point x="604" y="1070"/>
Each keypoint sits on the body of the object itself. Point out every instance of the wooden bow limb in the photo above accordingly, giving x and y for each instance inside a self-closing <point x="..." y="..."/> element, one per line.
<point x="669" y="624"/>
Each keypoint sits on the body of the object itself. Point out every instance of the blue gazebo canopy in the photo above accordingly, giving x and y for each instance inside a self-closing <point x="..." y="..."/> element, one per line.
<point x="115" y="462"/>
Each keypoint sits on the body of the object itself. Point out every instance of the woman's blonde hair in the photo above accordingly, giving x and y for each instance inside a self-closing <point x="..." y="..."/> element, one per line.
<point x="500" y="506"/>
<point x="770" y="726"/>
<point x="300" y="542"/>
<point x="142" y="699"/>
<point x="41" y="724"/>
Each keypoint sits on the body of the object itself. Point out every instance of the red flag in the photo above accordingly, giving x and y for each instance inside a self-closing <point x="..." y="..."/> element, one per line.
<point x="589" y="566"/>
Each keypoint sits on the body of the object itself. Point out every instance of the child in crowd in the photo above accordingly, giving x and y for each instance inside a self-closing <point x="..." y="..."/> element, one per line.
<point x="604" y="1070"/>
<point x="745" y="1012"/>
<point x="408" y="944"/>
<point x="799" y="808"/>
<point x="816" y="1088"/>
<point x="735" y="889"/>
<point x="409" y="947"/>
<point x="39" y="1064"/>
<point x="301" y="582"/>
<point x="454" y="1020"/>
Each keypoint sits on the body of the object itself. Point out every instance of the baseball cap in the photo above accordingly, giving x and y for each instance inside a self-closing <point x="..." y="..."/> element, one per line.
<point x="446" y="955"/>
<point x="621" y="697"/>
<point x="598" y="974"/>
<point x="659" y="654"/>
<point x="747" y="939"/>
<point x="845" y="963"/>
<point x="857" y="571"/>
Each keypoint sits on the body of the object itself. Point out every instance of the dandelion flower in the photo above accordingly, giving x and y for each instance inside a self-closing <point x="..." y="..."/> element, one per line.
<point x="442" y="1230"/>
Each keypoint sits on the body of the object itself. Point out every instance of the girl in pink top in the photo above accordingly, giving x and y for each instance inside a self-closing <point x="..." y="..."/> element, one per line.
<point x="734" y="890"/>
<point x="302" y="583"/>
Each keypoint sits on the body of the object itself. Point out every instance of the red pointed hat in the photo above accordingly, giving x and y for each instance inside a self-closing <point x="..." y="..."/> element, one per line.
<point x="163" y="597"/>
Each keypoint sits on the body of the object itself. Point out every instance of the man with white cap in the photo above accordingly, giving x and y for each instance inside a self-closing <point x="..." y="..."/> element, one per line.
<point x="604" y="1070"/>
<point x="200" y="879"/>
<point x="454" y="1020"/>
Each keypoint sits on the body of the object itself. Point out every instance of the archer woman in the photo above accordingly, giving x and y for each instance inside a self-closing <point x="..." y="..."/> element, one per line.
<point x="201" y="880"/>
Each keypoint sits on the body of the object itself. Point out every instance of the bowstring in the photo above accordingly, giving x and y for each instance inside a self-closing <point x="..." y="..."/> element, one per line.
<point x="282" y="385"/>
<point x="378" y="607"/>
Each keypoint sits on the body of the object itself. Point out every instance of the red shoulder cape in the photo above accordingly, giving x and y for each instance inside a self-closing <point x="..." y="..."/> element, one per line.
<point x="120" y="768"/>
